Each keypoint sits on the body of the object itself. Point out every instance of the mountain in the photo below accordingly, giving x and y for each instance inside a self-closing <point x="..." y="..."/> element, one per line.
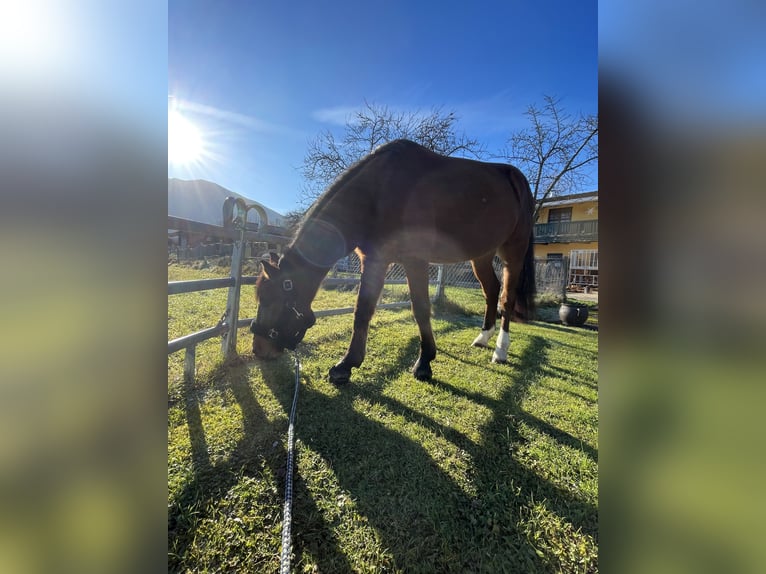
<point x="201" y="200"/>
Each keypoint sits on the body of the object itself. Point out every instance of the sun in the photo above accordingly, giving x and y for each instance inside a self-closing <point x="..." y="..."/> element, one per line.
<point x="184" y="140"/>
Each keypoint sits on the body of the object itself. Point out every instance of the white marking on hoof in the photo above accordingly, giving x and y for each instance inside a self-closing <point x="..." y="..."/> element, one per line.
<point x="501" y="347"/>
<point x="483" y="339"/>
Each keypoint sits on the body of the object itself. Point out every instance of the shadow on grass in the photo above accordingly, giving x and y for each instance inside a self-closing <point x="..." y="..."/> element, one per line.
<point x="507" y="413"/>
<point x="413" y="506"/>
<point x="426" y="520"/>
<point x="564" y="328"/>
<point x="260" y="447"/>
<point x="450" y="308"/>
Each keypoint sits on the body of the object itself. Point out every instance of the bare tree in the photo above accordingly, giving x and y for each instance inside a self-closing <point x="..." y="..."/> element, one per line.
<point x="372" y="126"/>
<point x="553" y="150"/>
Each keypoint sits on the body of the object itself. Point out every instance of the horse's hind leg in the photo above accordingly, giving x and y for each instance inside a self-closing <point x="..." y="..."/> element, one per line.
<point x="417" y="279"/>
<point x="511" y="272"/>
<point x="490" y="286"/>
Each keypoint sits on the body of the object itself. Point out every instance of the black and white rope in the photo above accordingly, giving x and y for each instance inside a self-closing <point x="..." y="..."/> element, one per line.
<point x="287" y="514"/>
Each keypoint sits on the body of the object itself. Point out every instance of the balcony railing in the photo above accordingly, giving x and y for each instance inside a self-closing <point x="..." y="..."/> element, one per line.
<point x="566" y="231"/>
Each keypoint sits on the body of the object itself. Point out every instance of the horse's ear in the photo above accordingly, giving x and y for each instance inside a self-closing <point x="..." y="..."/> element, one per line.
<point x="269" y="270"/>
<point x="274" y="257"/>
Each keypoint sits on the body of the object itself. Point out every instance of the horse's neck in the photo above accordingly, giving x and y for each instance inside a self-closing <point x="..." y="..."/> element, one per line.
<point x="308" y="277"/>
<point x="324" y="238"/>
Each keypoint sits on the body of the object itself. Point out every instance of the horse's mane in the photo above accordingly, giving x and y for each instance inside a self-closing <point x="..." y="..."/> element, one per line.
<point x="345" y="177"/>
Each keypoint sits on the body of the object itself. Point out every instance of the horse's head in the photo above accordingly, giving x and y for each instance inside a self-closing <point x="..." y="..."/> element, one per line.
<point x="282" y="318"/>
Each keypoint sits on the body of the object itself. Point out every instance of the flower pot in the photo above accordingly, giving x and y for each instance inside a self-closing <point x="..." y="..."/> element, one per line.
<point x="573" y="314"/>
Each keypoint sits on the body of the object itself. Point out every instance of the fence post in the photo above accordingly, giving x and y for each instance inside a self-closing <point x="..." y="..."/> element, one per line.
<point x="229" y="343"/>
<point x="189" y="363"/>
<point x="440" y="283"/>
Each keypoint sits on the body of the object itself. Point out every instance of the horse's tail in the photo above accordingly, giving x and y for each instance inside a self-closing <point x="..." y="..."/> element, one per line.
<point x="524" y="309"/>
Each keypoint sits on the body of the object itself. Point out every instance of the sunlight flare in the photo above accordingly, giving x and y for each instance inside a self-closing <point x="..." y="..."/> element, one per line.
<point x="185" y="144"/>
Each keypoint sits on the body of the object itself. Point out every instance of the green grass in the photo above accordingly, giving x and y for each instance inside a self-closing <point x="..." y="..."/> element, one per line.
<point x="486" y="468"/>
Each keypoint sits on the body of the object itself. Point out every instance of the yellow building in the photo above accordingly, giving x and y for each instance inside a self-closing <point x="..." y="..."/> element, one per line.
<point x="567" y="226"/>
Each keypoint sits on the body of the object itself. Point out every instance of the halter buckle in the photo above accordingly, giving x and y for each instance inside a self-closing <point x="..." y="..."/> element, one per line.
<point x="287" y="285"/>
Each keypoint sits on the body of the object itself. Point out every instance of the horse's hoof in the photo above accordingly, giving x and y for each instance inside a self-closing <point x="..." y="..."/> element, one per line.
<point x="422" y="372"/>
<point x="482" y="339"/>
<point x="499" y="361"/>
<point x="339" y="375"/>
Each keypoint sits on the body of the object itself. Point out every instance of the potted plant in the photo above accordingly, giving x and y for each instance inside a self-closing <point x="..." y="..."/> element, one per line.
<point x="572" y="313"/>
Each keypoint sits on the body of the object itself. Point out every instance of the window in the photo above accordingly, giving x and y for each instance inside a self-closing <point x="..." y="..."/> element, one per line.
<point x="560" y="214"/>
<point x="554" y="262"/>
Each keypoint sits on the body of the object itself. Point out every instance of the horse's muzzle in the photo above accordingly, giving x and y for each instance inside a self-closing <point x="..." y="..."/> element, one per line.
<point x="263" y="348"/>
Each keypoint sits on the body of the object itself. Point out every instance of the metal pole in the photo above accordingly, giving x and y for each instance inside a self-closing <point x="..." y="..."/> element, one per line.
<point x="189" y="363"/>
<point x="229" y="343"/>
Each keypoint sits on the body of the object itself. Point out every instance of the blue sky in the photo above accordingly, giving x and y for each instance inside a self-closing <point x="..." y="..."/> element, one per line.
<point x="259" y="79"/>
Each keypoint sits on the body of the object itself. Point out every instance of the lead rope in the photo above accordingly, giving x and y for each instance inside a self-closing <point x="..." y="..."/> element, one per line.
<point x="287" y="513"/>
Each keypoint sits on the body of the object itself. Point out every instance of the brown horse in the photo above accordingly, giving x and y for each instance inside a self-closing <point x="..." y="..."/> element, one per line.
<point x="404" y="203"/>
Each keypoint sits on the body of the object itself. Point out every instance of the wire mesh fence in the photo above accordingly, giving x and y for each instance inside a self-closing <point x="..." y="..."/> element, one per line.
<point x="551" y="275"/>
<point x="395" y="290"/>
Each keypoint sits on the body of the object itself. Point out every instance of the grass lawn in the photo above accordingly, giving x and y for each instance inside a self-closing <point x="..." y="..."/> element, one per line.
<point x="486" y="468"/>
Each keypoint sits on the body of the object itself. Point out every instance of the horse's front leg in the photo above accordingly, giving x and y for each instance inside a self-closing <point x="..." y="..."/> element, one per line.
<point x="373" y="276"/>
<point x="417" y="280"/>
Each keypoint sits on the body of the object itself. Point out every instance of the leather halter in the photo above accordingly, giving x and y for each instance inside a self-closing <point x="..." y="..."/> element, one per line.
<point x="286" y="340"/>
